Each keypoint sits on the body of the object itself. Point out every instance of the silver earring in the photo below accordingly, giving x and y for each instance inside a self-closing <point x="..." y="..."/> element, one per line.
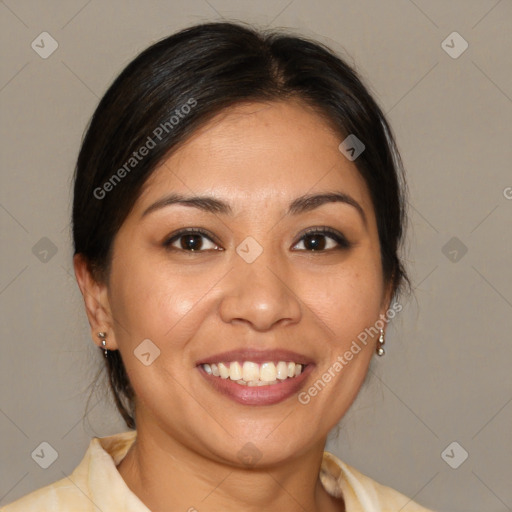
<point x="102" y="336"/>
<point x="380" y="349"/>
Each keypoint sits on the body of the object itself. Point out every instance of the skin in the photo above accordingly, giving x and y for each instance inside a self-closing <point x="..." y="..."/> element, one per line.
<point x="257" y="157"/>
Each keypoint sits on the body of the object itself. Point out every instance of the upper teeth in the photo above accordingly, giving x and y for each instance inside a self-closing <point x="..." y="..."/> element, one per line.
<point x="254" y="374"/>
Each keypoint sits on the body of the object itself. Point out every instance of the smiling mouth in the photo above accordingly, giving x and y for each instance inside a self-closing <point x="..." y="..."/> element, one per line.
<point x="249" y="373"/>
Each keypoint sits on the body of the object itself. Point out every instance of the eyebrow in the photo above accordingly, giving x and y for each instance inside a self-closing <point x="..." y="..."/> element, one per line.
<point x="299" y="205"/>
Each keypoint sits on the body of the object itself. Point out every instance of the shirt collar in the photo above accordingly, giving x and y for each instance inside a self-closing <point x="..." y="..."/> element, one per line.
<point x="98" y="478"/>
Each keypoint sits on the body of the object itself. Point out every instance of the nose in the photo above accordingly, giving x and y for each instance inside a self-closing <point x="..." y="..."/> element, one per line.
<point x="260" y="294"/>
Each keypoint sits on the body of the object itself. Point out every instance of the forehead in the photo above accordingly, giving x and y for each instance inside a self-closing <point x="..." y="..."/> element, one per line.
<point x="257" y="154"/>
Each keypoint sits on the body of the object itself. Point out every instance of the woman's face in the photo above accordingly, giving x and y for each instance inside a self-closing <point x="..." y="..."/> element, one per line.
<point x="253" y="288"/>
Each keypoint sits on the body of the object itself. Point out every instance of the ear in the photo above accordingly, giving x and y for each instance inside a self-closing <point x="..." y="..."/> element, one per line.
<point x="96" y="301"/>
<point x="387" y="296"/>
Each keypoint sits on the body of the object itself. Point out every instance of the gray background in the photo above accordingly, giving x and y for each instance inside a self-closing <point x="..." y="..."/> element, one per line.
<point x="446" y="374"/>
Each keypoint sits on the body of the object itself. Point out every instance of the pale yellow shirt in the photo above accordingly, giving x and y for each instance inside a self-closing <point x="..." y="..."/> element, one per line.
<point x="96" y="485"/>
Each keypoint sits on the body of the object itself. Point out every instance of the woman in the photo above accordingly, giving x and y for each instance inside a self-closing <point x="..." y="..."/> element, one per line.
<point x="237" y="217"/>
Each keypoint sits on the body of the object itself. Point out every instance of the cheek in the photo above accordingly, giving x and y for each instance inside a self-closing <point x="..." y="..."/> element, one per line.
<point x="348" y="304"/>
<point x="348" y="300"/>
<point x="158" y="302"/>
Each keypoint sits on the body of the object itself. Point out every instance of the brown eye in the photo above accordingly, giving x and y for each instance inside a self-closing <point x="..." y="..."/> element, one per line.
<point x="322" y="239"/>
<point x="191" y="240"/>
<point x="315" y="242"/>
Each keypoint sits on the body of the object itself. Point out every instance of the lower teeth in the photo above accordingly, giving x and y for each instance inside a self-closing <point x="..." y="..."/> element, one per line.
<point x="253" y="383"/>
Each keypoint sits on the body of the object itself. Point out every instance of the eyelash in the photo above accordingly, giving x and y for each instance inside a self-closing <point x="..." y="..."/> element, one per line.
<point x="342" y="242"/>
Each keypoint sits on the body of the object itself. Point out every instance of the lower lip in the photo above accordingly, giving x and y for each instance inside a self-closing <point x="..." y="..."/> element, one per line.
<point x="258" y="395"/>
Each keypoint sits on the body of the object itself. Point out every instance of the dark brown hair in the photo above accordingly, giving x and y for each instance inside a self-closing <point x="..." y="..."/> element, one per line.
<point x="210" y="67"/>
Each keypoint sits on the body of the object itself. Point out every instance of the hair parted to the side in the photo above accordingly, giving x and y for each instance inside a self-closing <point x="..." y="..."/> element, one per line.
<point x="218" y="65"/>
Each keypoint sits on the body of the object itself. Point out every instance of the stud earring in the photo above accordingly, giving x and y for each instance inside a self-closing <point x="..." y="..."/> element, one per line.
<point x="102" y="336"/>
<point x="380" y="342"/>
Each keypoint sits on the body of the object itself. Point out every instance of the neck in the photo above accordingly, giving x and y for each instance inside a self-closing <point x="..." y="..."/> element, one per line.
<point x="164" y="473"/>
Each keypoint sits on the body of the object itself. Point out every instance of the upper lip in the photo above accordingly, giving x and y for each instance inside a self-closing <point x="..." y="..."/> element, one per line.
<point x="256" y="356"/>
